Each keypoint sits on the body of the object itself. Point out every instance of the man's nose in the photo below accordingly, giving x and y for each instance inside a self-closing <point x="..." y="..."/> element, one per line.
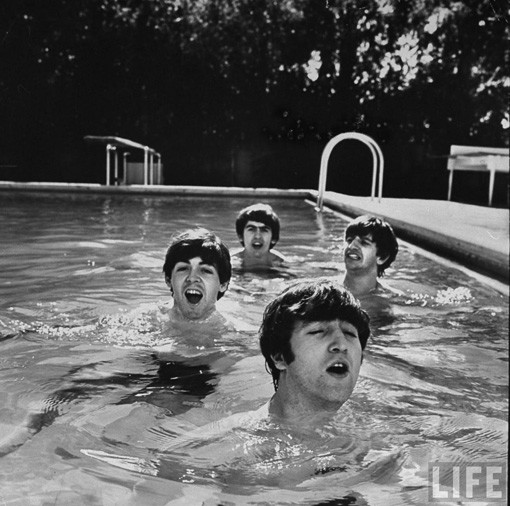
<point x="338" y="341"/>
<point x="193" y="274"/>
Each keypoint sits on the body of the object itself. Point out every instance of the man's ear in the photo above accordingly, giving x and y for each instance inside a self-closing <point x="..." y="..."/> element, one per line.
<point x="381" y="260"/>
<point x="240" y="237"/>
<point x="169" y="284"/>
<point x="223" y="287"/>
<point x="279" y="361"/>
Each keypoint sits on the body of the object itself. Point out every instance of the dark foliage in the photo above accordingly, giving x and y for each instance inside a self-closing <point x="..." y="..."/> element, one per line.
<point x="248" y="92"/>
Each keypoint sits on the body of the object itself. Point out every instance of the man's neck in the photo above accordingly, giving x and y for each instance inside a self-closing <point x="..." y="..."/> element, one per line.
<point x="176" y="316"/>
<point x="360" y="284"/>
<point x="257" y="260"/>
<point x="299" y="415"/>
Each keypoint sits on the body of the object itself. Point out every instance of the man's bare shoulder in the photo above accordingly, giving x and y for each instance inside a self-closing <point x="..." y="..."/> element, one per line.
<point x="237" y="253"/>
<point x="386" y="287"/>
<point x="277" y="257"/>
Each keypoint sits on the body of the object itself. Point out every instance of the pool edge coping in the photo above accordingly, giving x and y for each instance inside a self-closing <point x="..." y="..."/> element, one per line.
<point x="137" y="189"/>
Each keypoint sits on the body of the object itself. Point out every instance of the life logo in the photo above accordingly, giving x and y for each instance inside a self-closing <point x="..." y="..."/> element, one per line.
<point x="468" y="481"/>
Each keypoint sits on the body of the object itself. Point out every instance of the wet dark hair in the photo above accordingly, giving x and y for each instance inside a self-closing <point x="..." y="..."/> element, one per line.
<point x="307" y="301"/>
<point x="263" y="213"/>
<point x="199" y="242"/>
<point x="382" y="235"/>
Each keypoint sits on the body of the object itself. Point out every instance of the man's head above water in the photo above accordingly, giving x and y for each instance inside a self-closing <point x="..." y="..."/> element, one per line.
<point x="261" y="213"/>
<point x="258" y="230"/>
<point x="370" y="248"/>
<point x="380" y="234"/>
<point x="197" y="270"/>
<point x="312" y="337"/>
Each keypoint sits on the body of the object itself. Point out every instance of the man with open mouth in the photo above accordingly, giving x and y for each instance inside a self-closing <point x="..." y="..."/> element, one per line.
<point x="312" y="337"/>
<point x="370" y="248"/>
<point x="197" y="270"/>
<point x="258" y="230"/>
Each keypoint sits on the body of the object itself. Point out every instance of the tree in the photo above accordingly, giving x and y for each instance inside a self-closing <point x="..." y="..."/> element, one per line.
<point x="202" y="81"/>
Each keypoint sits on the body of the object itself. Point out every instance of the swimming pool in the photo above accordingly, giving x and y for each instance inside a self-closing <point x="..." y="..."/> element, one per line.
<point x="81" y="282"/>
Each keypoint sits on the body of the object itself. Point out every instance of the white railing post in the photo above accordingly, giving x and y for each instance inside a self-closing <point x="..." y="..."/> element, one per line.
<point x="151" y="168"/>
<point x="145" y="164"/>
<point x="108" y="148"/>
<point x="381" y="171"/>
<point x="159" y="168"/>
<point x="124" y="166"/>
<point x="116" y="166"/>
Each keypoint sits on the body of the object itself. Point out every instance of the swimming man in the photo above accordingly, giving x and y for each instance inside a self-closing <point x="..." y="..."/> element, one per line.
<point x="258" y="230"/>
<point x="197" y="270"/>
<point x="312" y="337"/>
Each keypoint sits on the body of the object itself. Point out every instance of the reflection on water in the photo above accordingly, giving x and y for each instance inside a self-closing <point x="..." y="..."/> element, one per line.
<point x="104" y="404"/>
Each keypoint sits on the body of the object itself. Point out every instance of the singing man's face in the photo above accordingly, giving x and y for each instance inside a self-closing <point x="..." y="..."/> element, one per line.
<point x="257" y="238"/>
<point x="195" y="286"/>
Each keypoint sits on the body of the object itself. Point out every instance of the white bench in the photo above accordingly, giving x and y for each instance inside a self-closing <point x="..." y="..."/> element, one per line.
<point x="474" y="158"/>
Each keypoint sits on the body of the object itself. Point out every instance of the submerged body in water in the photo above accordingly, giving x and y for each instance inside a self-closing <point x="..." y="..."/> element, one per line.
<point x="166" y="363"/>
<point x="247" y="449"/>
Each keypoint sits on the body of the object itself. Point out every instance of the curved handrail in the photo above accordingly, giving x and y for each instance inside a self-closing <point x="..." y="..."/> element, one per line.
<point x="377" y="167"/>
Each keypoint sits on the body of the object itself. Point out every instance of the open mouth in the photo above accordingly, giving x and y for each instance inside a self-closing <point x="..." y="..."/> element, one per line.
<point x="257" y="245"/>
<point x="338" y="369"/>
<point x="193" y="296"/>
<point x="352" y="255"/>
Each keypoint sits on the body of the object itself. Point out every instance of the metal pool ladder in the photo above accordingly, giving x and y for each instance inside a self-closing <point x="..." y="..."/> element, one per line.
<point x="377" y="168"/>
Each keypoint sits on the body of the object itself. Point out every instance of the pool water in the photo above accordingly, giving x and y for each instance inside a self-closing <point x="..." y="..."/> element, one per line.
<point x="124" y="410"/>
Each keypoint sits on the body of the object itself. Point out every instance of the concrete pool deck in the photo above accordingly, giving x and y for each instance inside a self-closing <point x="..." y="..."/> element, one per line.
<point x="475" y="236"/>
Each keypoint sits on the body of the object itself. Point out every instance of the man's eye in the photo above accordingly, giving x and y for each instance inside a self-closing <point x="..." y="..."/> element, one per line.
<point x="315" y="331"/>
<point x="181" y="268"/>
<point x="207" y="270"/>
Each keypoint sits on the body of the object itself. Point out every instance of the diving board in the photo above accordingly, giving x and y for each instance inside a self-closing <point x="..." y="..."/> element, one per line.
<point x="115" y="145"/>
